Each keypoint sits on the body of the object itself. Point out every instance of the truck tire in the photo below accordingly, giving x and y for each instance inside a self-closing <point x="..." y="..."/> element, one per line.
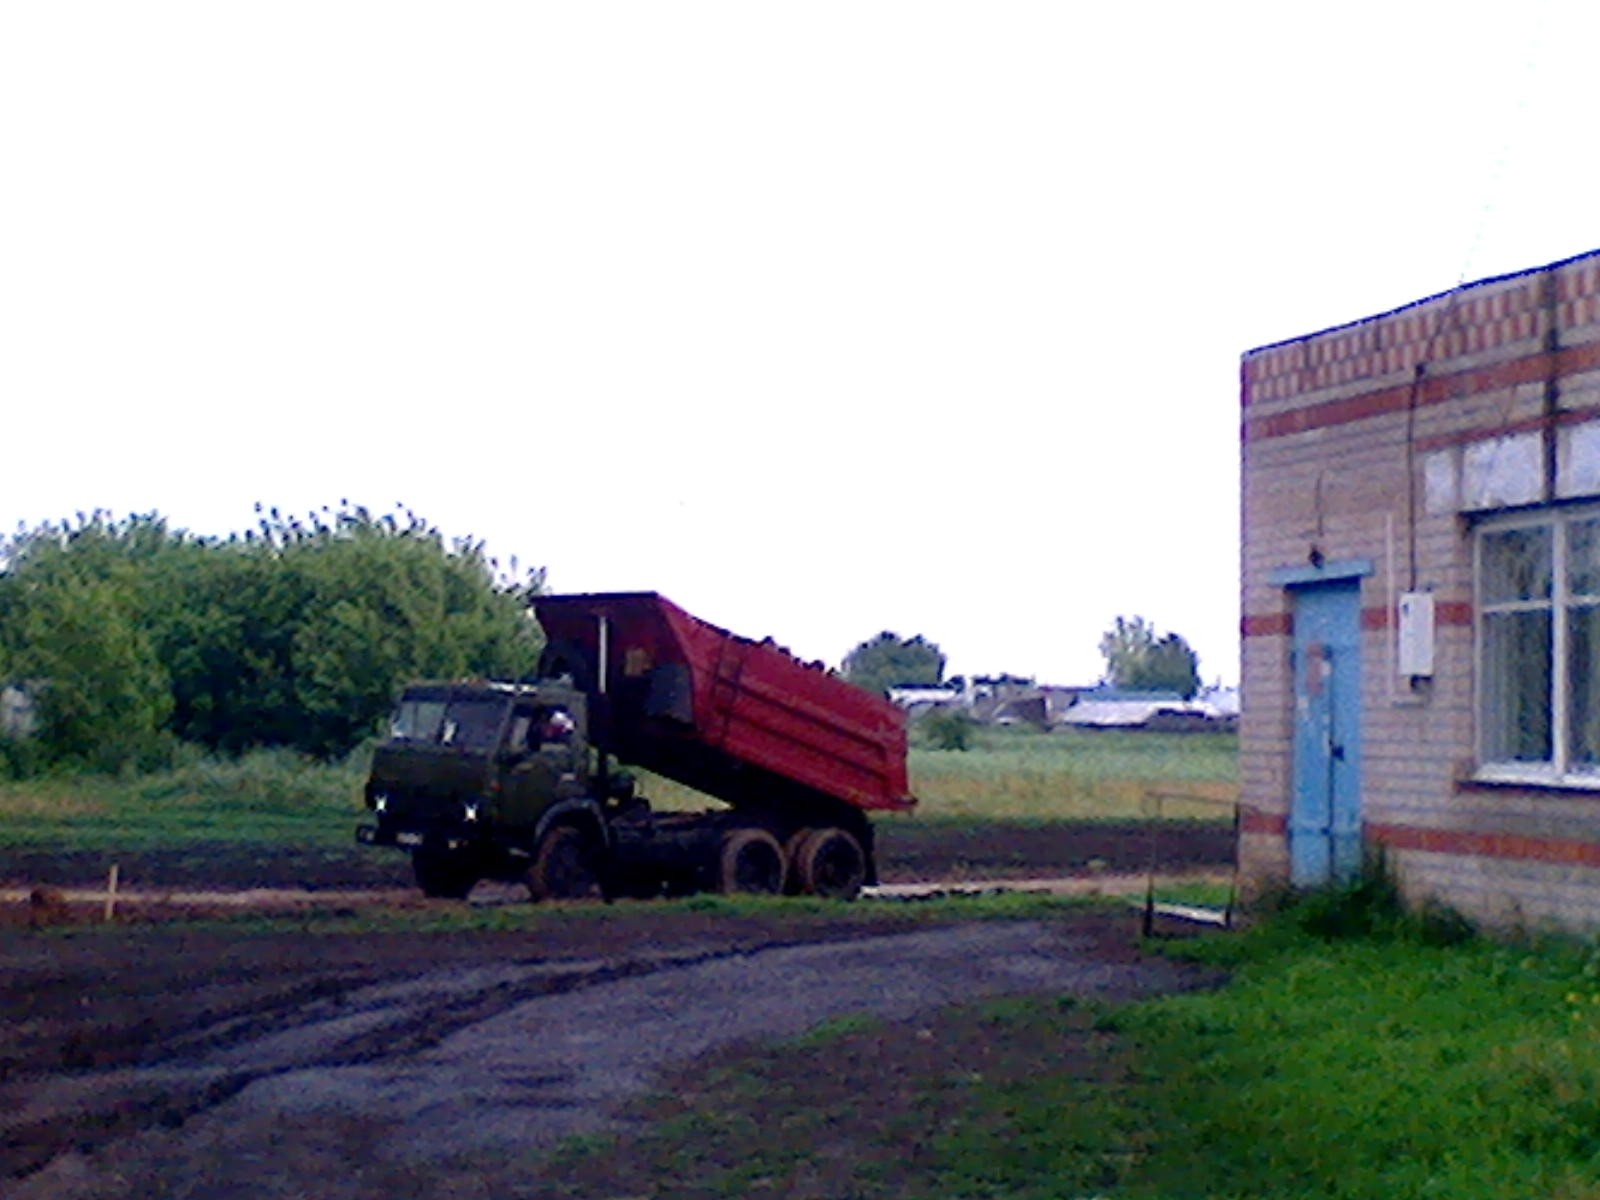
<point x="752" y="863"/>
<point x="442" y="875"/>
<point x="791" y="859"/>
<point x="566" y="867"/>
<point x="830" y="863"/>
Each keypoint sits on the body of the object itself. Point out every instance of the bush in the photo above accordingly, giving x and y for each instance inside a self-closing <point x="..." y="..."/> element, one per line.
<point x="949" y="729"/>
<point x="1370" y="905"/>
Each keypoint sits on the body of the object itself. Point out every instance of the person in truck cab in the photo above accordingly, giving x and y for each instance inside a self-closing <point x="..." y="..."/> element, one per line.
<point x="557" y="728"/>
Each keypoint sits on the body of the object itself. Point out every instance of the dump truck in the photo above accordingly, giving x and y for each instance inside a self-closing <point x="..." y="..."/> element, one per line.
<point x="533" y="782"/>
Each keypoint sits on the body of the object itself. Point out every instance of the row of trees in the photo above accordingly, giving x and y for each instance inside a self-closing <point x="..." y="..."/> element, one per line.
<point x="135" y="636"/>
<point x="1138" y="657"/>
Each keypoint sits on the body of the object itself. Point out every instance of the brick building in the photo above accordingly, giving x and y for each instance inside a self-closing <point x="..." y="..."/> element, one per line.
<point x="1421" y="599"/>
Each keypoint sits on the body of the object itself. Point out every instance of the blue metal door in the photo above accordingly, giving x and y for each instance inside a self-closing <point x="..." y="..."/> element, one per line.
<point x="1325" y="813"/>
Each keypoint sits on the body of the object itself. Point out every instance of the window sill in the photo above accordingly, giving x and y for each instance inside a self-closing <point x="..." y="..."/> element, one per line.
<point x="1490" y="780"/>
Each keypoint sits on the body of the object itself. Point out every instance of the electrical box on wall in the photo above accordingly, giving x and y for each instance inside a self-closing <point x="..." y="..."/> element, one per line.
<point x="1415" y="634"/>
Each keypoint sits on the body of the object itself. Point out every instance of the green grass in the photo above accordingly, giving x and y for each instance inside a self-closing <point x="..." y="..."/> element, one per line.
<point x="1075" y="775"/>
<point x="1376" y="1067"/>
<point x="280" y="798"/>
<point x="1200" y="894"/>
<point x="1066" y="775"/>
<point x="444" y="917"/>
<point x="271" y="797"/>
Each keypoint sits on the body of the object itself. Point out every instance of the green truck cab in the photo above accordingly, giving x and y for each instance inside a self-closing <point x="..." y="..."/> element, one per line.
<point x="474" y="778"/>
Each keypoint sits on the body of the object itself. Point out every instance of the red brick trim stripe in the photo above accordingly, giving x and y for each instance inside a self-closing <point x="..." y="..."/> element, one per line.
<point x="1570" y="851"/>
<point x="1253" y="820"/>
<point x="1266" y="624"/>
<point x="1433" y="389"/>
<point x="1445" y="613"/>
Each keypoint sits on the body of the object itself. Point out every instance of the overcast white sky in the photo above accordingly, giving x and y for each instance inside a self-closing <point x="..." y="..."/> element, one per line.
<point x="819" y="318"/>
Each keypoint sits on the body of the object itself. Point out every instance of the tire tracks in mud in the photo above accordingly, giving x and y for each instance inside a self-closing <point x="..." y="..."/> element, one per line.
<point x="319" y="1024"/>
<point x="407" y="1079"/>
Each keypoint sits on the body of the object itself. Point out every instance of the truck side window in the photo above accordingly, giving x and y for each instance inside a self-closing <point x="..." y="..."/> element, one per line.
<point x="517" y="737"/>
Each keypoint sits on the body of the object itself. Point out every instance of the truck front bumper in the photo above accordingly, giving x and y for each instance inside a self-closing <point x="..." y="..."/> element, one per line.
<point x="411" y="839"/>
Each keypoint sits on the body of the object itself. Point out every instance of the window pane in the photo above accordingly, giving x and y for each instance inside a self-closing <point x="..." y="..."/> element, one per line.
<point x="1516" y="565"/>
<point x="473" y="724"/>
<point x="1516" y="687"/>
<point x="1583" y="685"/>
<point x="1583" y="557"/>
<point x="417" y="720"/>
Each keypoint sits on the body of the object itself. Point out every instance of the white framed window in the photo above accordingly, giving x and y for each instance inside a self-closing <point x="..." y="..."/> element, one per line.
<point x="1538" y="627"/>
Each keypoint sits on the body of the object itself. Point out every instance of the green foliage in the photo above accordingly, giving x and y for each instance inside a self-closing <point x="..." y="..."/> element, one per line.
<point x="890" y="660"/>
<point x="1141" y="659"/>
<point x="73" y="627"/>
<point x="294" y="633"/>
<point x="1368" y="905"/>
<point x="949" y="729"/>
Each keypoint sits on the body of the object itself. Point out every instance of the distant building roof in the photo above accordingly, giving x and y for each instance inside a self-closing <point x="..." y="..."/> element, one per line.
<point x="1106" y="691"/>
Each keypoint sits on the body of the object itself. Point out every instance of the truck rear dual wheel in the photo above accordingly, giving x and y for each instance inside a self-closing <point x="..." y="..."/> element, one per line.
<point x="827" y="862"/>
<point x="751" y="862"/>
<point x="566" y="867"/>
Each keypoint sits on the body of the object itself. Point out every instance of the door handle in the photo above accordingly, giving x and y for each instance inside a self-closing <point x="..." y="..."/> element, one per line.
<point x="1337" y="751"/>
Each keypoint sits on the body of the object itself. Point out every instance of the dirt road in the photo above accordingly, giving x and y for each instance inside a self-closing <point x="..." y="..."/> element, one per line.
<point x="293" y="1067"/>
<point x="156" y="1059"/>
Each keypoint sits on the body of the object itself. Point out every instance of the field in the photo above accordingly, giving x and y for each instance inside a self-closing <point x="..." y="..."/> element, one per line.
<point x="279" y="797"/>
<point x="264" y="798"/>
<point x="1019" y="804"/>
<point x="1020" y="774"/>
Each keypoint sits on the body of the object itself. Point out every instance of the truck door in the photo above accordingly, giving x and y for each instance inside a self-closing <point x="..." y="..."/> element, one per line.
<point x="541" y="761"/>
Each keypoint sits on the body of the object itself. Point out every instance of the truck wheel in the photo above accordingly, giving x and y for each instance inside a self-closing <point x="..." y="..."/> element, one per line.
<point x="791" y="859"/>
<point x="442" y="875"/>
<point x="566" y="867"/>
<point x="751" y="862"/>
<point x="830" y="863"/>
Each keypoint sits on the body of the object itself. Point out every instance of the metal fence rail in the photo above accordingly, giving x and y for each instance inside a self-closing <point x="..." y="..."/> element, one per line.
<point x="1154" y="809"/>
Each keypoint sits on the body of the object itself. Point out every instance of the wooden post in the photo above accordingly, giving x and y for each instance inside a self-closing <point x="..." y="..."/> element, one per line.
<point x="111" y="892"/>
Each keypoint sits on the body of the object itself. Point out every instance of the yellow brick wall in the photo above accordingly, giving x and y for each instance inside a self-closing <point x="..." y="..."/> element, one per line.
<point x="1338" y="427"/>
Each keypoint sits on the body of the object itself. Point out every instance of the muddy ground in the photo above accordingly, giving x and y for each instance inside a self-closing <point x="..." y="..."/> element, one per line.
<point x="907" y="851"/>
<point x="176" y="1060"/>
<point x="160" y="1061"/>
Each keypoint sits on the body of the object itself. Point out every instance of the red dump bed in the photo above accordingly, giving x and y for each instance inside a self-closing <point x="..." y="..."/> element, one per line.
<point x="740" y="720"/>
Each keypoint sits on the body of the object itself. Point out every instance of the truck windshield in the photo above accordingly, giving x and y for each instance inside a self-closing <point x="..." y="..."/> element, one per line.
<point x="472" y="724"/>
<point x="417" y="721"/>
<point x="467" y="724"/>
